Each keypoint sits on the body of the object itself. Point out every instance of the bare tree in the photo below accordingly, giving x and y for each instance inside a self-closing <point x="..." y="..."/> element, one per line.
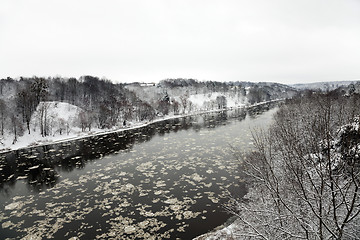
<point x="3" y="112"/>
<point x="175" y="106"/>
<point x="85" y="120"/>
<point x="16" y="127"/>
<point x="43" y="118"/>
<point x="39" y="88"/>
<point x="221" y="102"/>
<point x="184" y="101"/>
<point x="26" y="104"/>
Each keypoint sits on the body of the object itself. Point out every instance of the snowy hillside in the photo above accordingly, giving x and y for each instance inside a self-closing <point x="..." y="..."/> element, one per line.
<point x="58" y="119"/>
<point x="209" y="101"/>
<point x="192" y="95"/>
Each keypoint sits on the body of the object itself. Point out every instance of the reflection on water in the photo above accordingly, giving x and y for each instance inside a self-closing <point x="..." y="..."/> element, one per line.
<point x="165" y="180"/>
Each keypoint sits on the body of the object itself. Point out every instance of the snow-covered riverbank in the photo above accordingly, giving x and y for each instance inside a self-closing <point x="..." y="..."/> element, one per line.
<point x="35" y="139"/>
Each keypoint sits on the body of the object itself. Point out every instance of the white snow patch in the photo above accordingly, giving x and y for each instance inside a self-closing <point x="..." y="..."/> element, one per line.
<point x="207" y="101"/>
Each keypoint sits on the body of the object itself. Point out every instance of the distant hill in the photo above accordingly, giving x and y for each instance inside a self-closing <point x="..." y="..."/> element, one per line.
<point x="323" y="86"/>
<point x="353" y="88"/>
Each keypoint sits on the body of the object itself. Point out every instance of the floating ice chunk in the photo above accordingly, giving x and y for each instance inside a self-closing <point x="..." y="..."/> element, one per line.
<point x="160" y="184"/>
<point x="196" y="177"/>
<point x="115" y="181"/>
<point x="6" y="224"/>
<point x="144" y="224"/>
<point x="21" y="177"/>
<point x="129" y="186"/>
<point x="175" y="207"/>
<point x="31" y="237"/>
<point x="188" y="214"/>
<point x="14" y="205"/>
<point x="74" y="238"/>
<point x="171" y="201"/>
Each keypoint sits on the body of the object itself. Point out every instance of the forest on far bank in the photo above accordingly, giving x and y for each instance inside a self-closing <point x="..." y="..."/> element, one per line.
<point x="27" y="105"/>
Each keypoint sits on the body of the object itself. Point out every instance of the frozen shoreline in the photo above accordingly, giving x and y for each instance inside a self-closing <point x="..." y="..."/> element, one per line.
<point x="98" y="132"/>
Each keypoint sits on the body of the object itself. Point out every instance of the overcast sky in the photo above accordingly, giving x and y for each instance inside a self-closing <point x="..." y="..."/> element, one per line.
<point x="287" y="41"/>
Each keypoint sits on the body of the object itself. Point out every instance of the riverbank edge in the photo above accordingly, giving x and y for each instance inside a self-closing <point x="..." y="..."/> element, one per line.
<point x="217" y="232"/>
<point x="141" y="125"/>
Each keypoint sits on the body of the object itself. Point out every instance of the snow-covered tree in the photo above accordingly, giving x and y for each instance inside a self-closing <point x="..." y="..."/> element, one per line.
<point x="221" y="101"/>
<point x="184" y="99"/>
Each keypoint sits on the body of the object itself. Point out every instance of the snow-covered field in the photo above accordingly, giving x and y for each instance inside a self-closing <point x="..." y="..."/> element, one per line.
<point x="205" y="101"/>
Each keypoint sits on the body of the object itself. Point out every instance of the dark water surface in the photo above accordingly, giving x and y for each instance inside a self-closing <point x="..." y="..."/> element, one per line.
<point x="166" y="180"/>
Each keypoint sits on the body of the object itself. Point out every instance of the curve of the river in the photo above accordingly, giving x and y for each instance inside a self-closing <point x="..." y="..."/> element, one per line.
<point x="166" y="180"/>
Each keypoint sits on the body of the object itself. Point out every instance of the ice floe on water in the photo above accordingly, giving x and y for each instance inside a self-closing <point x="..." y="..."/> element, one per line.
<point x="14" y="205"/>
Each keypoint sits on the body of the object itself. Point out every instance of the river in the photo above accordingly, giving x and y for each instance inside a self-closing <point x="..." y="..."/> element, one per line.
<point x="166" y="180"/>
